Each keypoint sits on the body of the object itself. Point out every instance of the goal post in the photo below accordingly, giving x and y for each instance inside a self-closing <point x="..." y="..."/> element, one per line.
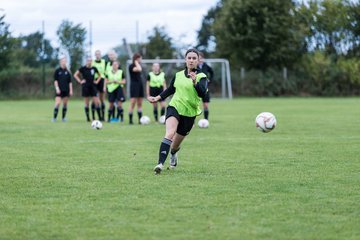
<point x="170" y="66"/>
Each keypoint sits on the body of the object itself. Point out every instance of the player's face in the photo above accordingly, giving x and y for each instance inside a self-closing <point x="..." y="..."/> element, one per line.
<point x="98" y="55"/>
<point x="63" y="62"/>
<point x="192" y="60"/>
<point x="115" y="66"/>
<point x="88" y="62"/>
<point x="201" y="60"/>
<point x="156" y="67"/>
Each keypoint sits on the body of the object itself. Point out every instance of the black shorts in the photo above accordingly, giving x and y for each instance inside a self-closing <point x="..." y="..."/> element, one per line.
<point x="100" y="86"/>
<point x="154" y="91"/>
<point x="62" y="94"/>
<point x="185" y="123"/>
<point x="136" y="90"/>
<point x="206" y="98"/>
<point x="88" y="90"/>
<point x="116" y="95"/>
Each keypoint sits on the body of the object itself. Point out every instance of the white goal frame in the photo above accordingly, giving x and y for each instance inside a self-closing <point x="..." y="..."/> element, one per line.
<point x="226" y="88"/>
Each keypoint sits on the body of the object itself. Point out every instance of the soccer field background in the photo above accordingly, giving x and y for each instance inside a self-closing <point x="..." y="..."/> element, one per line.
<point x="68" y="181"/>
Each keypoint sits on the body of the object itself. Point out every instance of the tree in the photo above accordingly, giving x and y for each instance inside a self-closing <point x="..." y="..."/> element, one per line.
<point x="206" y="37"/>
<point x="29" y="50"/>
<point x="72" y="37"/>
<point x="258" y="34"/>
<point x="6" y="43"/>
<point x="159" y="45"/>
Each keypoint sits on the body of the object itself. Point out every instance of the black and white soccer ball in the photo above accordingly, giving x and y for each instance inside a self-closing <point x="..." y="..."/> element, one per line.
<point x="96" y="124"/>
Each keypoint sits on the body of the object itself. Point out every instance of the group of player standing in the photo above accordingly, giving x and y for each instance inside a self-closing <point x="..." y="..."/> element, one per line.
<point x="99" y="78"/>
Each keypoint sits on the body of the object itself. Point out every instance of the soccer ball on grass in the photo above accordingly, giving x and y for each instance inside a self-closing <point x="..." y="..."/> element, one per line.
<point x="265" y="122"/>
<point x="96" y="124"/>
<point x="203" y="123"/>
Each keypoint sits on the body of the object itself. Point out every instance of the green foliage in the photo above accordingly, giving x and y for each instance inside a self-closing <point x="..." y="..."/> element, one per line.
<point x="258" y="34"/>
<point x="206" y="36"/>
<point x="68" y="181"/>
<point x="29" y="51"/>
<point x="6" y="44"/>
<point x="72" y="37"/>
<point x="159" y="44"/>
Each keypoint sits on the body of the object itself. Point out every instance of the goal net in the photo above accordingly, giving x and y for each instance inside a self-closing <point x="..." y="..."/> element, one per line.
<point x="220" y="86"/>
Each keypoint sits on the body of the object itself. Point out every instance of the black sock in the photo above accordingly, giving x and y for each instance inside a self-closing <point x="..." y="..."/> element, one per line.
<point x="173" y="151"/>
<point x="139" y="115"/>
<point x="120" y="113"/>
<point x="131" y="118"/>
<point x="162" y="111"/>
<point x="56" y="110"/>
<point x="103" y="111"/>
<point x="87" y="114"/>
<point x="156" y="114"/>
<point x="110" y="111"/>
<point x="93" y="110"/>
<point x="164" y="150"/>
<point x="64" y="110"/>
<point x="98" y="112"/>
<point x="206" y="113"/>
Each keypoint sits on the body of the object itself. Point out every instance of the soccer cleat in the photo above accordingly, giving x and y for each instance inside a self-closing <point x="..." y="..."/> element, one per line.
<point x="53" y="120"/>
<point x="158" y="168"/>
<point x="173" y="161"/>
<point x="64" y="120"/>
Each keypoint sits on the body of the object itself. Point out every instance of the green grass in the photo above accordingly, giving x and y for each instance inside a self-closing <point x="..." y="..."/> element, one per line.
<point x="68" y="181"/>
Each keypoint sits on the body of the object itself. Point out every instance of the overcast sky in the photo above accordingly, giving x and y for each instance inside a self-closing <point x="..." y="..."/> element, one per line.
<point x="111" y="20"/>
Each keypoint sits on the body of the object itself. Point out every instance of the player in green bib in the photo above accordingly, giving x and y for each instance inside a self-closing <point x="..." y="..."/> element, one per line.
<point x="115" y="80"/>
<point x="100" y="65"/>
<point x="155" y="84"/>
<point x="187" y="87"/>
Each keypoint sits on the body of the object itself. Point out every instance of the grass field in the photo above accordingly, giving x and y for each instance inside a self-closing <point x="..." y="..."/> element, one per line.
<point x="68" y="181"/>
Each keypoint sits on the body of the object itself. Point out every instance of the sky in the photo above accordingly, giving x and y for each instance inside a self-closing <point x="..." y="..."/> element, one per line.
<point x="111" y="20"/>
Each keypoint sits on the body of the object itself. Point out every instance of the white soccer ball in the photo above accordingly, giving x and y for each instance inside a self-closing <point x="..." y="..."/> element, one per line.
<point x="265" y="122"/>
<point x="96" y="124"/>
<point x="203" y="123"/>
<point x="144" y="120"/>
<point x="162" y="119"/>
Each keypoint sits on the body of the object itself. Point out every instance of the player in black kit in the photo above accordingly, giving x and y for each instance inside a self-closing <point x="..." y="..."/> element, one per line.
<point x="63" y="89"/>
<point x="88" y="83"/>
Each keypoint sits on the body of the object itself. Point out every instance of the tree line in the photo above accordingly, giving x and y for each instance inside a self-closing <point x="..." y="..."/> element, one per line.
<point x="275" y="47"/>
<point x="316" y="41"/>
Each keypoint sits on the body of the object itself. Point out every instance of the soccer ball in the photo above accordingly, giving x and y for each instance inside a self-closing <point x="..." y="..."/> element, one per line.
<point x="162" y="119"/>
<point x="203" y="123"/>
<point x="265" y="122"/>
<point x="96" y="124"/>
<point x="144" y="120"/>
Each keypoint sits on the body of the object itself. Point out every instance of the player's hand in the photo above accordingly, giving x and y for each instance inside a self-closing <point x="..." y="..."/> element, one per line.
<point x="70" y="93"/>
<point x="153" y="99"/>
<point x="192" y="75"/>
<point x="82" y="81"/>
<point x="58" y="91"/>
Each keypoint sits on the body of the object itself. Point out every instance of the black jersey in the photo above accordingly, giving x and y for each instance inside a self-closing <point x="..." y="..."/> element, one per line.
<point x="88" y="74"/>
<point x="205" y="68"/>
<point x="134" y="76"/>
<point x="63" y="77"/>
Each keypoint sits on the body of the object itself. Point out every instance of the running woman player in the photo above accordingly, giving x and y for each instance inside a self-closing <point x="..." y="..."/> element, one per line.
<point x="187" y="87"/>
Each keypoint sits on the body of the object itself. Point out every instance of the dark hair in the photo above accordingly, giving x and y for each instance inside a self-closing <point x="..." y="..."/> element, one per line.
<point x="201" y="54"/>
<point x="192" y="50"/>
<point x="136" y="56"/>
